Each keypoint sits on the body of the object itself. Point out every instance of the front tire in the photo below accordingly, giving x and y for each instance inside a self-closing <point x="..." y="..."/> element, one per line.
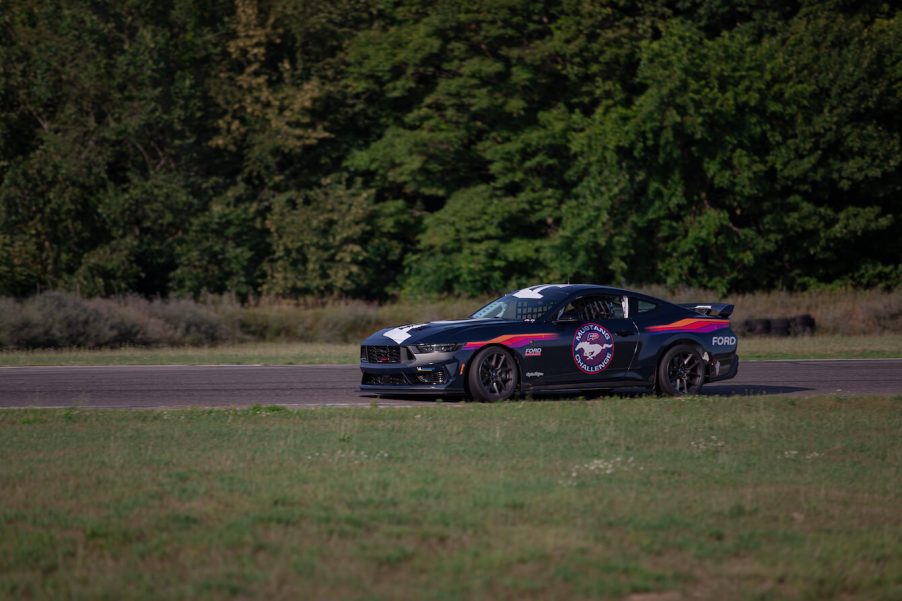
<point x="681" y="371"/>
<point x="493" y="375"/>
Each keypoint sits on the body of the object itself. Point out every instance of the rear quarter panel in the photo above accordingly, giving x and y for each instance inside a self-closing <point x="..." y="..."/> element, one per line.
<point x="670" y="325"/>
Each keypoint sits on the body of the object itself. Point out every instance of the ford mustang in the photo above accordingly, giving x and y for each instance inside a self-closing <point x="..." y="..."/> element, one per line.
<point x="556" y="337"/>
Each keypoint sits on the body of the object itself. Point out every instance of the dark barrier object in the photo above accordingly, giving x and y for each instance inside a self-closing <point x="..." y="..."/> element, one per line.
<point x="800" y="325"/>
<point x="779" y="327"/>
<point x="756" y="326"/>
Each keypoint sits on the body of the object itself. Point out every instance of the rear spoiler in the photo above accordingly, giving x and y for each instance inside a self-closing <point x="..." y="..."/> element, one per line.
<point x="712" y="309"/>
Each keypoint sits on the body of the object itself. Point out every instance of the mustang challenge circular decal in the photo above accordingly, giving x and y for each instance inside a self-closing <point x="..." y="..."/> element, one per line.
<point x="593" y="348"/>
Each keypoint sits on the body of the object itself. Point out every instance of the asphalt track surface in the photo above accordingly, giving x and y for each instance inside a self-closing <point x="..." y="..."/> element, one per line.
<point x="336" y="385"/>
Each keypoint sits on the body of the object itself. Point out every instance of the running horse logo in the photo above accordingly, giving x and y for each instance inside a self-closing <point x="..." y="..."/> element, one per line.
<point x="590" y="351"/>
<point x="593" y="348"/>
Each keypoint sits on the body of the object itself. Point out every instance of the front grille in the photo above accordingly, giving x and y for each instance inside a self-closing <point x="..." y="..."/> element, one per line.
<point x="385" y="379"/>
<point x="381" y="354"/>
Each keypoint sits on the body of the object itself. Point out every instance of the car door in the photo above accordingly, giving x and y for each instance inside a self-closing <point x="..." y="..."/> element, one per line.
<point x="595" y="341"/>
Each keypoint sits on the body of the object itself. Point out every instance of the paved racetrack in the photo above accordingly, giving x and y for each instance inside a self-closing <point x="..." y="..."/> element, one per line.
<point x="336" y="385"/>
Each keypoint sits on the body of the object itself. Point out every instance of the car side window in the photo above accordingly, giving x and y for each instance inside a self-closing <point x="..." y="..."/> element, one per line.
<point x="590" y="308"/>
<point x="645" y="306"/>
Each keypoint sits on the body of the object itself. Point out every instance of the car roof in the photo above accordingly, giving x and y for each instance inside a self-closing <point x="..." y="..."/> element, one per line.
<point x="561" y="291"/>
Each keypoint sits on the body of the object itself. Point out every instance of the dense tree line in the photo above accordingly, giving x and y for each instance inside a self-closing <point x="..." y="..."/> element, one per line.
<point x="369" y="147"/>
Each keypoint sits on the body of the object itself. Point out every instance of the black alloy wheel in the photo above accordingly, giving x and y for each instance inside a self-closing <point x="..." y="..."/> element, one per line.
<point x="493" y="375"/>
<point x="681" y="371"/>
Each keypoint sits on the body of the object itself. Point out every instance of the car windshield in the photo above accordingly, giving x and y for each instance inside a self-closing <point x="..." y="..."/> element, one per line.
<point x="510" y="306"/>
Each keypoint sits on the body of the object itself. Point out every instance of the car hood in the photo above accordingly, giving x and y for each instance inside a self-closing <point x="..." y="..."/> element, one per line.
<point x="461" y="330"/>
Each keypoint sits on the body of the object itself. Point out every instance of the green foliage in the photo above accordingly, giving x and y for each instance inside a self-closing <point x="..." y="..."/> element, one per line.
<point x="696" y="180"/>
<point x="321" y="242"/>
<point x="479" y="241"/>
<point x="221" y="252"/>
<point x="185" y="147"/>
<point x="266" y="110"/>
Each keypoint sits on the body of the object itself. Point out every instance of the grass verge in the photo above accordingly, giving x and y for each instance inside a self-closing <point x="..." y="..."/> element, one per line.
<point x="270" y="353"/>
<point x="702" y="498"/>
<point x="822" y="347"/>
<point x="297" y="353"/>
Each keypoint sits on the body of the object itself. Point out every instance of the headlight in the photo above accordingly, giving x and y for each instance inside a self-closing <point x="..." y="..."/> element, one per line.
<point x="437" y="348"/>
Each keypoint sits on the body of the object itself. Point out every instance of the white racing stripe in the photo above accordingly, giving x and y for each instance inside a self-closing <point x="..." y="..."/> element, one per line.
<point x="400" y="334"/>
<point x="536" y="291"/>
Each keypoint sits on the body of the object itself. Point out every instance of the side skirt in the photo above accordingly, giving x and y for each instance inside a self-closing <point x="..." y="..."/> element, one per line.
<point x="590" y="386"/>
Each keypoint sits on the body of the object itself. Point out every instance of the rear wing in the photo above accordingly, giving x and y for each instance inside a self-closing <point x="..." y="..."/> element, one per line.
<point x="712" y="309"/>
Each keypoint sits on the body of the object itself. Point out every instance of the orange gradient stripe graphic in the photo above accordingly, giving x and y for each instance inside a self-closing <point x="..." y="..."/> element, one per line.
<point x="691" y="324"/>
<point x="511" y="340"/>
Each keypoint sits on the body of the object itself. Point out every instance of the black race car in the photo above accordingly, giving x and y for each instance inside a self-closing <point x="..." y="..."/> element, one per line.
<point x="556" y="337"/>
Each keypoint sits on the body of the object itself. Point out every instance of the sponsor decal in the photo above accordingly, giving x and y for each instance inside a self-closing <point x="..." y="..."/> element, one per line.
<point x="593" y="348"/>
<point x="510" y="340"/>
<point x="697" y="326"/>
<point x="723" y="340"/>
<point x="533" y="352"/>
<point x="400" y="334"/>
<point x="535" y="374"/>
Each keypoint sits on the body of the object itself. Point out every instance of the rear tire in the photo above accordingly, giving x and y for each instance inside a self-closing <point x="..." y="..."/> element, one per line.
<point x="681" y="371"/>
<point x="493" y="375"/>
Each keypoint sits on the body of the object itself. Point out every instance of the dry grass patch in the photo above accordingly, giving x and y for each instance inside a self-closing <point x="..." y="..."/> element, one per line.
<point x="60" y="320"/>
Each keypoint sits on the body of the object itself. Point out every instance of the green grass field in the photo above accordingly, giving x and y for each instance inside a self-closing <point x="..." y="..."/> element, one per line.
<point x="740" y="498"/>
<point x="287" y="353"/>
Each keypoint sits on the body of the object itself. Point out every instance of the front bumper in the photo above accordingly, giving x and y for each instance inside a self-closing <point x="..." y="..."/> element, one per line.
<point x="433" y="378"/>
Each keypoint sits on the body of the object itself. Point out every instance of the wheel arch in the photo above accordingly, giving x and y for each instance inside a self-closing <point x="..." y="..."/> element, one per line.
<point x="676" y="341"/>
<point x="679" y="340"/>
<point x="468" y="364"/>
